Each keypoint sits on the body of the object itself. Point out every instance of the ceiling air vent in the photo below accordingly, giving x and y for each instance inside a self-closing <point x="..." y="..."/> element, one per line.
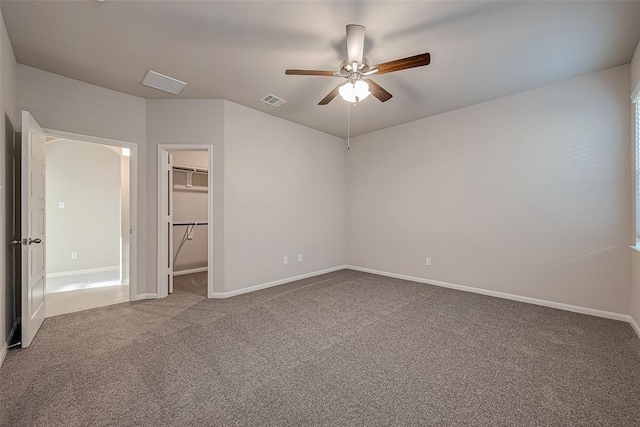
<point x="272" y="100"/>
<point x="164" y="83"/>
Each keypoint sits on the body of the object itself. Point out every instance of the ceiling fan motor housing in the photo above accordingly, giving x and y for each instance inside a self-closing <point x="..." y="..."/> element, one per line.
<point x="347" y="68"/>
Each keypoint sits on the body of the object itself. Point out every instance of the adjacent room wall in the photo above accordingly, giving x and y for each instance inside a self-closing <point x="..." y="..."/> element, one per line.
<point x="284" y="196"/>
<point x="193" y="122"/>
<point x="86" y="178"/>
<point x="527" y="195"/>
<point x="192" y="159"/>
<point x="8" y="107"/>
<point x="125" y="219"/>
<point x="64" y="104"/>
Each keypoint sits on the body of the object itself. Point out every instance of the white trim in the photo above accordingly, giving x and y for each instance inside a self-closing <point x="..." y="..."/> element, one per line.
<point x="133" y="195"/>
<point x="634" y="326"/>
<point x="529" y="300"/>
<point x="190" y="271"/>
<point x="3" y="354"/>
<point x="87" y="271"/>
<point x="275" y="283"/>
<point x="145" y="296"/>
<point x="163" y="150"/>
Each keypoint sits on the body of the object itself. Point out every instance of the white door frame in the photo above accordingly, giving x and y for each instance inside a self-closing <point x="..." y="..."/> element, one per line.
<point x="163" y="235"/>
<point x="133" y="196"/>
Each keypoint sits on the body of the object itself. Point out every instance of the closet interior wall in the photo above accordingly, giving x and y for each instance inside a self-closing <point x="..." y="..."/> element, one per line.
<point x="190" y="191"/>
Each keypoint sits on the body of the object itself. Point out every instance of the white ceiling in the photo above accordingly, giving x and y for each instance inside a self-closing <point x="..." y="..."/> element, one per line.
<point x="239" y="50"/>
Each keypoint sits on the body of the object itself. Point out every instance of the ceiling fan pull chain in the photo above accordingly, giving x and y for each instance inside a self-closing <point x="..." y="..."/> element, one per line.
<point x="348" y="127"/>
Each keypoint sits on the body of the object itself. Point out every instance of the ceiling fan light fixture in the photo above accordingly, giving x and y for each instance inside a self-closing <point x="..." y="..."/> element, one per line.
<point x="351" y="92"/>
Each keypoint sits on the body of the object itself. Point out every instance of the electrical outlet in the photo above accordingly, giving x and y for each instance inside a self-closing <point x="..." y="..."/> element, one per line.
<point x="285" y="260"/>
<point x="428" y="261"/>
<point x="60" y="205"/>
<point x="74" y="255"/>
<point x="299" y="257"/>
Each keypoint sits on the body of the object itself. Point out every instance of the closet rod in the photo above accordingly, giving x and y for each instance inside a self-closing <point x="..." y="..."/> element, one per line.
<point x="190" y="223"/>
<point x="193" y="170"/>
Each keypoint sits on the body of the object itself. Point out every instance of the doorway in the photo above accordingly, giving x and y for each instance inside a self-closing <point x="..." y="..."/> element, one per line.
<point x="89" y="215"/>
<point x="185" y="221"/>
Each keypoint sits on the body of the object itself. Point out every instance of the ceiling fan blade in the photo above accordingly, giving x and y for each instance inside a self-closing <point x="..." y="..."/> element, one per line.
<point x="378" y="91"/>
<point x="309" y="73"/>
<point x="327" y="99"/>
<point x="403" y="64"/>
<point x="355" y="44"/>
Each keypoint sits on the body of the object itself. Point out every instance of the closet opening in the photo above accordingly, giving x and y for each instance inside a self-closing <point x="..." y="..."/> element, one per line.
<point x="186" y="221"/>
<point x="88" y="224"/>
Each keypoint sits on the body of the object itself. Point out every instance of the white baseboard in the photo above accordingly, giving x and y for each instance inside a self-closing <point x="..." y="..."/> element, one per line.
<point x="140" y="297"/>
<point x="87" y="271"/>
<point x="274" y="283"/>
<point x="191" y="271"/>
<point x="3" y="354"/>
<point x="529" y="300"/>
<point x="635" y="326"/>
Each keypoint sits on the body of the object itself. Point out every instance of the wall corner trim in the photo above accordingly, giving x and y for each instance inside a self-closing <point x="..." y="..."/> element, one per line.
<point x="274" y="283"/>
<point x="504" y="295"/>
<point x="635" y="326"/>
<point x="3" y="354"/>
<point x="141" y="297"/>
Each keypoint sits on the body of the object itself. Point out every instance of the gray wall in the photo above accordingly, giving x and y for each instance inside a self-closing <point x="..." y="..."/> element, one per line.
<point x="528" y="194"/>
<point x="8" y="107"/>
<point x="284" y="195"/>
<point x="295" y="173"/>
<point x="86" y="178"/>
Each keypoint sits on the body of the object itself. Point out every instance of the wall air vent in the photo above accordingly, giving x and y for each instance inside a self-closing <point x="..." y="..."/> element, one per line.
<point x="272" y="100"/>
<point x="163" y="83"/>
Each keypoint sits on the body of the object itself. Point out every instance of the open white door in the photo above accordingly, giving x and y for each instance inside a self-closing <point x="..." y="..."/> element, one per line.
<point x="33" y="228"/>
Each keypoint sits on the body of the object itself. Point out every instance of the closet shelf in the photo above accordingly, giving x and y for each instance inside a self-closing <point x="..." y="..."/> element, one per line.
<point x="189" y="169"/>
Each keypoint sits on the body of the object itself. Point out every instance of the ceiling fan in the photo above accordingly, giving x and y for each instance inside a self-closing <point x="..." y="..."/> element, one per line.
<point x="356" y="68"/>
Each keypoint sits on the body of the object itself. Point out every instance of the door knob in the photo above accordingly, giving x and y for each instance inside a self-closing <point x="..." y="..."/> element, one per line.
<point x="34" y="241"/>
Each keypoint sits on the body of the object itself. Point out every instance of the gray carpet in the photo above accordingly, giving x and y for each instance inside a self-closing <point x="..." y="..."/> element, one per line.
<point x="345" y="348"/>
